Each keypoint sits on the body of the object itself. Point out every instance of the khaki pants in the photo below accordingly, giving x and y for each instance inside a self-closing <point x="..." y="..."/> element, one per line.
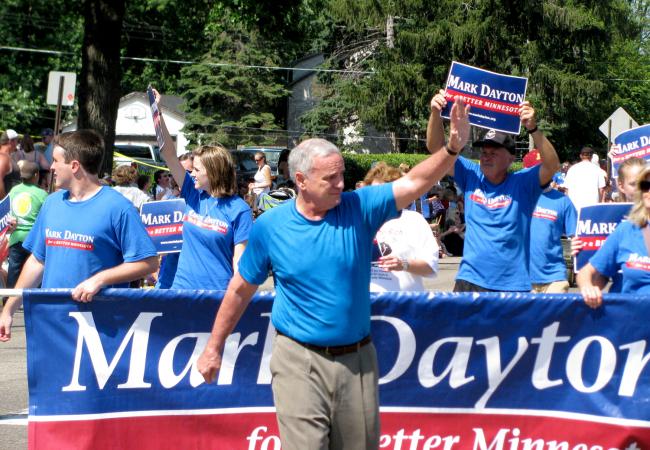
<point x="556" y="287"/>
<point x="325" y="402"/>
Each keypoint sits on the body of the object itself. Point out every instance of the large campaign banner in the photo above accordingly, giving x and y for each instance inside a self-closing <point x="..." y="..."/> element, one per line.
<point x="484" y="371"/>
<point x="595" y="223"/>
<point x="630" y="144"/>
<point x="494" y="97"/>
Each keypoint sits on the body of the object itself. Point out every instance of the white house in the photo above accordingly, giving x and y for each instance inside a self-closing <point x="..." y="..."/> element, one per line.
<point x="135" y="125"/>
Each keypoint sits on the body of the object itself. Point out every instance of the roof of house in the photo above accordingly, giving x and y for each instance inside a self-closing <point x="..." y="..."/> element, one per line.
<point x="170" y="103"/>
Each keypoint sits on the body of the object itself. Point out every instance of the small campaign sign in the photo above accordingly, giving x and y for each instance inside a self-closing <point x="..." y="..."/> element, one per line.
<point x="494" y="98"/>
<point x="634" y="143"/>
<point x="5" y="213"/>
<point x="164" y="223"/>
<point x="595" y="223"/>
<point x="155" y="114"/>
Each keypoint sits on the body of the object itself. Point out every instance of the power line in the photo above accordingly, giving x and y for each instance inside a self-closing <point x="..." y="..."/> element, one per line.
<point x="248" y="66"/>
<point x="176" y="61"/>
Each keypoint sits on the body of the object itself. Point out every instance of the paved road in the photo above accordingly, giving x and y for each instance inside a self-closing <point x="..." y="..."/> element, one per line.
<point x="13" y="389"/>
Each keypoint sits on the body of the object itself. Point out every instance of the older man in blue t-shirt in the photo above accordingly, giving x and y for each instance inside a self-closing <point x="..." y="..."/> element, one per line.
<point x="319" y="245"/>
<point x="498" y="204"/>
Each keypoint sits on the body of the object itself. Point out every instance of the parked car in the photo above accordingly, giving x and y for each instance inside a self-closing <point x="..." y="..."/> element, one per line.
<point x="146" y="156"/>
<point x="246" y="165"/>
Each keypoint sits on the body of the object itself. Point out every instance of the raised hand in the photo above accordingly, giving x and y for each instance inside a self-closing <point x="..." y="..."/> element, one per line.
<point x="459" y="129"/>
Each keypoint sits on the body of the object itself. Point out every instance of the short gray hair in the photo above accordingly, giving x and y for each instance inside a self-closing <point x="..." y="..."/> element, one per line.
<point x="301" y="158"/>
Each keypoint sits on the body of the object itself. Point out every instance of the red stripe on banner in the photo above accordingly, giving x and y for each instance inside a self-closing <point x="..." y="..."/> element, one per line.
<point x="483" y="103"/>
<point x="165" y="230"/>
<point x="400" y="430"/>
<point x="640" y="153"/>
<point x="592" y="242"/>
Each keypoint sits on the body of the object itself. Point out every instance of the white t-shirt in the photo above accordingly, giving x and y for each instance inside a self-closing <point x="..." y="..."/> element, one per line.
<point x="259" y="178"/>
<point x="584" y="181"/>
<point x="407" y="236"/>
<point x="133" y="194"/>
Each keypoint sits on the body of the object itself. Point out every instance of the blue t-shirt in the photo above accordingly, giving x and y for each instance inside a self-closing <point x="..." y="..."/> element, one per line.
<point x="559" y="177"/>
<point x="167" y="272"/>
<point x="498" y="217"/>
<point x="553" y="217"/>
<point x="625" y="250"/>
<point x="321" y="267"/>
<point x="211" y="229"/>
<point x="75" y="240"/>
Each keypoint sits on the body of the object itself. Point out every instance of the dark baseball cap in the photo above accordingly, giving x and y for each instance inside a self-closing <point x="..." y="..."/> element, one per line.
<point x="494" y="138"/>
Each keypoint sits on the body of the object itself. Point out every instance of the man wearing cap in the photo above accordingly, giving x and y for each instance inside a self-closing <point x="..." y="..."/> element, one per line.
<point x="9" y="175"/>
<point x="46" y="147"/>
<point x="554" y="216"/>
<point x="585" y="181"/>
<point x="498" y="204"/>
<point x="26" y="201"/>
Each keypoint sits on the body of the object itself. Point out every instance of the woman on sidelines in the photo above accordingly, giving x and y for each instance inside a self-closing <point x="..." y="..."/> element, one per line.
<point x="216" y="222"/>
<point x="262" y="181"/>
<point x="125" y="178"/>
<point x="627" y="249"/>
<point x="405" y="248"/>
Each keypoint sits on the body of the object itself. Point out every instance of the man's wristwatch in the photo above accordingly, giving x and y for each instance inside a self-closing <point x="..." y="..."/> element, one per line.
<point x="405" y="264"/>
<point x="451" y="152"/>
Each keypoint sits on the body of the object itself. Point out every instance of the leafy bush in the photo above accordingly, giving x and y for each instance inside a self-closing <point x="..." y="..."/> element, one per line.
<point x="357" y="165"/>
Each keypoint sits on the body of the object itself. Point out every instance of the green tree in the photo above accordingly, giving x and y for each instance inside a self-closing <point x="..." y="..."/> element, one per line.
<point x="43" y="25"/>
<point x="563" y="47"/>
<point x="232" y="96"/>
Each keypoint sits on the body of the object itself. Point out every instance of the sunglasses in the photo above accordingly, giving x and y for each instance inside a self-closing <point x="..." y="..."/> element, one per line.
<point x="644" y="185"/>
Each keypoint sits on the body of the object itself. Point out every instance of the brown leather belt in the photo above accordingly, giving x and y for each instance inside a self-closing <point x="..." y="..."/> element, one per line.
<point x="333" y="350"/>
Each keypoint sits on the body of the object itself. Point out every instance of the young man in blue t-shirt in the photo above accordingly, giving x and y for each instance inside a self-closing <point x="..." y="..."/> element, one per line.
<point x="554" y="217"/>
<point x="87" y="236"/>
<point x="320" y="248"/>
<point x="498" y="204"/>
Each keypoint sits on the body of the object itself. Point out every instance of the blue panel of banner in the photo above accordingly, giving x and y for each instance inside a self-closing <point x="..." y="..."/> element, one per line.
<point x="457" y="371"/>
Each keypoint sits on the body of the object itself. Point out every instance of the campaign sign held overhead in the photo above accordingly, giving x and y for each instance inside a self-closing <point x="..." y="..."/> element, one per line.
<point x="155" y="115"/>
<point x="630" y="144"/>
<point x="495" y="98"/>
<point x="481" y="371"/>
<point x="163" y="221"/>
<point x="595" y="223"/>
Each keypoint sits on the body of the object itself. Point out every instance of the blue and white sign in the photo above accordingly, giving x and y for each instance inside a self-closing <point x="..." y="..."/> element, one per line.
<point x="5" y="213"/>
<point x="494" y="98"/>
<point x="164" y="223"/>
<point x="482" y="371"/>
<point x="634" y="143"/>
<point x="595" y="223"/>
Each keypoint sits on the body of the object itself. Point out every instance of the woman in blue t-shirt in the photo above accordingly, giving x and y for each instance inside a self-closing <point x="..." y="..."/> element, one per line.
<point x="216" y="221"/>
<point x="627" y="249"/>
